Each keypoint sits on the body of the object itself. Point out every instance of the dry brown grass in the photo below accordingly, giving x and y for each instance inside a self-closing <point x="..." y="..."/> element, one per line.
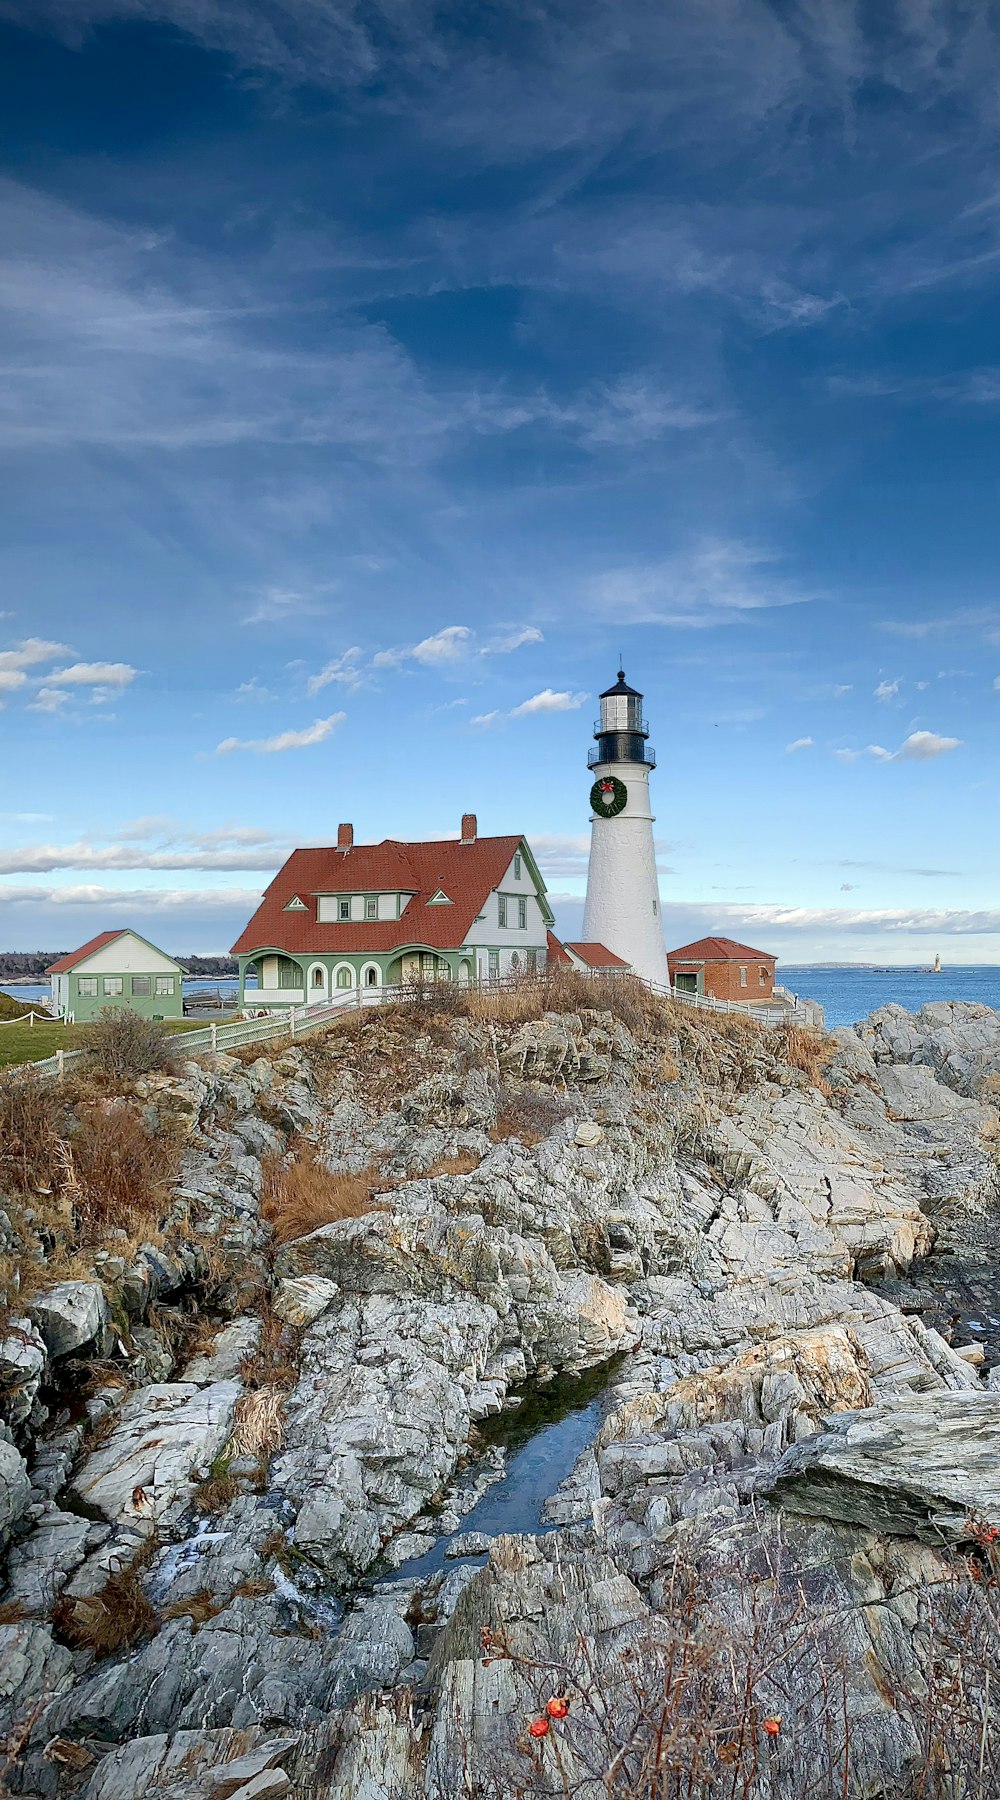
<point x="199" y="1607"/>
<point x="811" y="1052"/>
<point x="119" y="1170"/>
<point x="526" y="1115"/>
<point x="258" y="1423"/>
<point x="32" y="1120"/>
<point x="274" y="1363"/>
<point x="217" y="1491"/>
<point x="114" y="1619"/>
<point x="462" y="1163"/>
<point x="299" y="1196"/>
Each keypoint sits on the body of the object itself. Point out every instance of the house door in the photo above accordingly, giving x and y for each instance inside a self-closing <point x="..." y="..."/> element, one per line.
<point x="686" y="984"/>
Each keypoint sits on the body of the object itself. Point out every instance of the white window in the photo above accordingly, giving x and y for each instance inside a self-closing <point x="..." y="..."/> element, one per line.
<point x="344" y="978"/>
<point x="517" y="866"/>
<point x="502" y="911"/>
<point x="371" y="907"/>
<point x="743" y="978"/>
<point x="494" y="965"/>
<point x="318" y="977"/>
<point x="532" y="960"/>
<point x="112" y="984"/>
<point x="762" y="978"/>
<point x="522" y="914"/>
<point x="164" y="985"/>
<point x="142" y="986"/>
<point x="371" y="977"/>
<point x="343" y="909"/>
<point x="88" y="985"/>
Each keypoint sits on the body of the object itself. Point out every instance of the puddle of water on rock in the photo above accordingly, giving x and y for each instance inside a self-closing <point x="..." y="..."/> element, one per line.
<point x="543" y="1438"/>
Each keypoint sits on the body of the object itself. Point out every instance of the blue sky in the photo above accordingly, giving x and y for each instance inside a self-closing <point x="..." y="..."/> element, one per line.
<point x="374" y="374"/>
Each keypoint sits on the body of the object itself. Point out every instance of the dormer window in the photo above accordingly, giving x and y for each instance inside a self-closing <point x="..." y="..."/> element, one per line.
<point x="517" y="866"/>
<point x="371" y="907"/>
<point x="295" y="904"/>
<point x="343" y="910"/>
<point x="440" y="898"/>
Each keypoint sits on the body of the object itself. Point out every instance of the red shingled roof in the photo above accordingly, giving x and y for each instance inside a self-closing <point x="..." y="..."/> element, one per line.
<point x="65" y="963"/>
<point x="597" y="956"/>
<point x="467" y="873"/>
<point x="718" y="949"/>
<point x="555" y="951"/>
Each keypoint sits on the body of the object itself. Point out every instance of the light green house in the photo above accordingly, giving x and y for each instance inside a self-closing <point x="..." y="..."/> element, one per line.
<point x="369" y="916"/>
<point x="117" y="968"/>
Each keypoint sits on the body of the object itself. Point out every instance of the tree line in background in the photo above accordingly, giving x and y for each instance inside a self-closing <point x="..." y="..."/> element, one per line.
<point x="30" y="965"/>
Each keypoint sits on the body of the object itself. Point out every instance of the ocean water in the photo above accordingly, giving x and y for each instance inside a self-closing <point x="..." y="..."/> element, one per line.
<point x="39" y="991"/>
<point x="847" y="995"/>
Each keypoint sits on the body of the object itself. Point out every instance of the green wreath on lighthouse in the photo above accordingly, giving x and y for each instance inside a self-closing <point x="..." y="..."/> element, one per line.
<point x="608" y="797"/>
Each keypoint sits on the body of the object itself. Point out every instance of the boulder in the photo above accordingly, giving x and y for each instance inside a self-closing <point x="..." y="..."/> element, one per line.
<point x="15" y="1488"/>
<point x="165" y="1439"/>
<point x="921" y="1467"/>
<point x="22" y="1363"/>
<point x="70" y="1315"/>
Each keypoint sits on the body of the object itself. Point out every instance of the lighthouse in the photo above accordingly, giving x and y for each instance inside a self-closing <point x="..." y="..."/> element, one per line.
<point x="623" y="903"/>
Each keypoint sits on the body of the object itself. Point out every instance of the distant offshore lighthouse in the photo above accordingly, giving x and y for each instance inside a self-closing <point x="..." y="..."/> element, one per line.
<point x="623" y="904"/>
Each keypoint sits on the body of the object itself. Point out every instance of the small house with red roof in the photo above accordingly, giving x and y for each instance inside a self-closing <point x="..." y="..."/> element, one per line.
<point x="723" y="969"/>
<point x="116" y="968"/>
<point x="586" y="959"/>
<point x="367" y="916"/>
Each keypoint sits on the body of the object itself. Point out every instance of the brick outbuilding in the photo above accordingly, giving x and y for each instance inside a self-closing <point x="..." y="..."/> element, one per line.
<point x="722" y="968"/>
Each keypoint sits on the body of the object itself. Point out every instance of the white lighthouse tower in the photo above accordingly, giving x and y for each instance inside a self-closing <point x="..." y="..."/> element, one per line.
<point x="623" y="905"/>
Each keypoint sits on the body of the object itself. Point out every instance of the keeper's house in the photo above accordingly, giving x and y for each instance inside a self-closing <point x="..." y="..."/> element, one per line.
<point x="723" y="969"/>
<point x="117" y="968"/>
<point x="375" y="915"/>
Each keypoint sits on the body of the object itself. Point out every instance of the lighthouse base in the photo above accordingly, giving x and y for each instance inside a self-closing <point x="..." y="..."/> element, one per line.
<point x="623" y="908"/>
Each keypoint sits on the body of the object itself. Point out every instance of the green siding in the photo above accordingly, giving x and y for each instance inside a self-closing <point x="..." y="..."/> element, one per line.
<point x="85" y="1006"/>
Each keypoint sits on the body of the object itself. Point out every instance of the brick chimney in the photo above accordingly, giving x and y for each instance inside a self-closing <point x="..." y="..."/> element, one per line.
<point x="469" y="828"/>
<point x="345" y="837"/>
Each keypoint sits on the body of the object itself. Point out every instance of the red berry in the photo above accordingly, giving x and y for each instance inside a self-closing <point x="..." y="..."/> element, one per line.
<point x="557" y="1707"/>
<point x="539" y="1727"/>
<point x="772" y="1725"/>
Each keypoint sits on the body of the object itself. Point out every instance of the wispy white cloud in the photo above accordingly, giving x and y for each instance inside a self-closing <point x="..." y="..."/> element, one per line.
<point x="548" y="701"/>
<point x="344" y="669"/>
<point x="49" y="700"/>
<point x="721" y="579"/>
<point x="276" y="605"/>
<point x="888" y="690"/>
<point x="803" y="743"/>
<point x="15" y="663"/>
<point x="920" y="746"/>
<point x="449" y="645"/>
<point x="315" y="733"/>
<point x="118" y="902"/>
<point x="512" y="640"/>
<point x="93" y="674"/>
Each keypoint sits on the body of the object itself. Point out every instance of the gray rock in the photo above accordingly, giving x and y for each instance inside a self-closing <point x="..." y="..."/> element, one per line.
<point x="15" y="1488"/>
<point x="22" y="1364"/>
<point x="166" y="1434"/>
<point x="70" y="1315"/>
<point x="300" y="1300"/>
<point x="922" y="1467"/>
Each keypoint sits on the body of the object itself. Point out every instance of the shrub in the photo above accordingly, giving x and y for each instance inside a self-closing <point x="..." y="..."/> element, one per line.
<point x="123" y="1045"/>
<point x="31" y="1116"/>
<point x="526" y="1115"/>
<point x="299" y="1197"/>
<point x="114" y="1619"/>
<point x="117" y="1171"/>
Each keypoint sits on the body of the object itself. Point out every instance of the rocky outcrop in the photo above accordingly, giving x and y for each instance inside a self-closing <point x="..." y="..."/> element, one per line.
<point x="924" y="1467"/>
<point x="551" y="1195"/>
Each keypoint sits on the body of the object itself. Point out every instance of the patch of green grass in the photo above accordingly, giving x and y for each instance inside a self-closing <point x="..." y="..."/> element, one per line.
<point x="24" y="1043"/>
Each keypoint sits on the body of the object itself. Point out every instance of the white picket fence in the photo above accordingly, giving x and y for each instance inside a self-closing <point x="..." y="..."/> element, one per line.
<point x="295" y="1022"/>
